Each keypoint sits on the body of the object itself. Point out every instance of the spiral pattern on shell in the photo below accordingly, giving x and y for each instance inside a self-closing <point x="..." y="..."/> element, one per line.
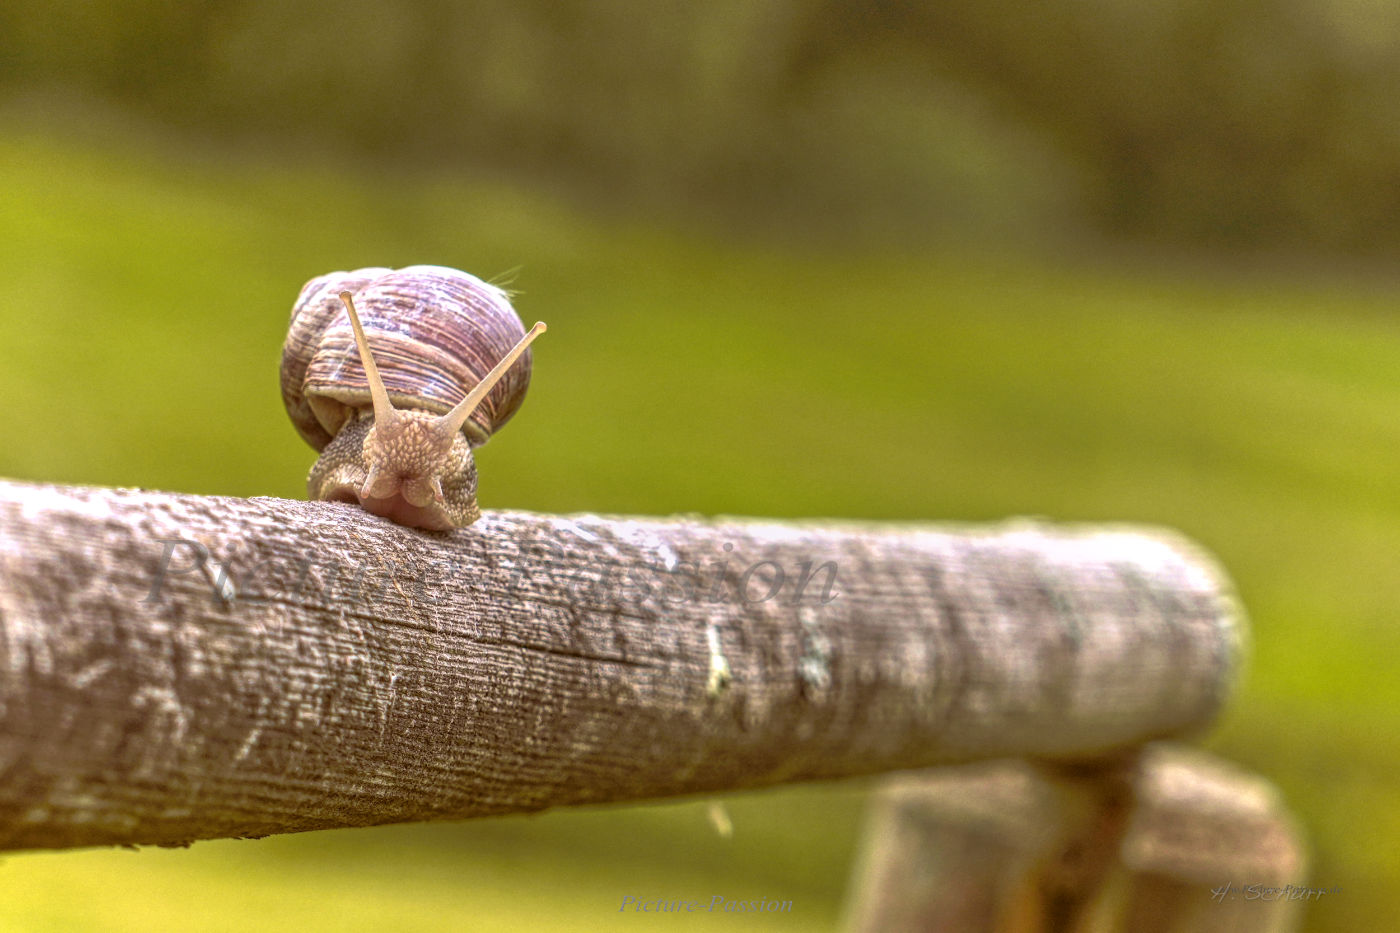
<point x="434" y="332"/>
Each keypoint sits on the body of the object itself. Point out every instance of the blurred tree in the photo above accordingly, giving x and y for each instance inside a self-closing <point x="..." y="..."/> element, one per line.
<point x="1248" y="121"/>
<point x="1244" y="121"/>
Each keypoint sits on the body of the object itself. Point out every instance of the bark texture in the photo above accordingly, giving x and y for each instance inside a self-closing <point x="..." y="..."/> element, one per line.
<point x="177" y="667"/>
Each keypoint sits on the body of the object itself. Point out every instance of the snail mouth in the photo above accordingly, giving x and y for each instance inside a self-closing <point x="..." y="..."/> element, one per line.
<point x="398" y="509"/>
<point x="395" y="507"/>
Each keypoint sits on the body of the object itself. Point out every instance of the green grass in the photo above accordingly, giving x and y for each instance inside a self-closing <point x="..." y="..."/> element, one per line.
<point x="145" y="302"/>
<point x="564" y="871"/>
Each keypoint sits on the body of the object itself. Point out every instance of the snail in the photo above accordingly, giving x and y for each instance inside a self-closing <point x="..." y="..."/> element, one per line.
<point x="442" y="364"/>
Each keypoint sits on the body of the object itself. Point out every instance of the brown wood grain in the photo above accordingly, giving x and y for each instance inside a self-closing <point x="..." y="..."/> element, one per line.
<point x="178" y="667"/>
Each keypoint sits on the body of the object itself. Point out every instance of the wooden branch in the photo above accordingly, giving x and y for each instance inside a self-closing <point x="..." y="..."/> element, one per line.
<point x="177" y="667"/>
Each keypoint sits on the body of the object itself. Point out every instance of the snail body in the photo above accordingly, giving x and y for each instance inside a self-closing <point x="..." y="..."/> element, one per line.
<point x="395" y="376"/>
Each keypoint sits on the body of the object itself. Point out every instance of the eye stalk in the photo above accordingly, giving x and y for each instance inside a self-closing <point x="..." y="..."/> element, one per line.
<point x="407" y="452"/>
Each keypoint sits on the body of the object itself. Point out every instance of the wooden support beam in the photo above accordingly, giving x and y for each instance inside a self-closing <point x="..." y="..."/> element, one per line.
<point x="1165" y="840"/>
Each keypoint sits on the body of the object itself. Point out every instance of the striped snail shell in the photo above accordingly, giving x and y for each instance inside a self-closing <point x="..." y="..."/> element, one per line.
<point x="395" y="375"/>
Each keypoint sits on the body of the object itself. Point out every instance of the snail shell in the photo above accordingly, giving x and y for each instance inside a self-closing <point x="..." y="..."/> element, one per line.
<point x="434" y="332"/>
<point x="432" y="335"/>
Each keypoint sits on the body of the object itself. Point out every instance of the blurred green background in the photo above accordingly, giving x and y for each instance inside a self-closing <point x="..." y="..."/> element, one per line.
<point x="1102" y="261"/>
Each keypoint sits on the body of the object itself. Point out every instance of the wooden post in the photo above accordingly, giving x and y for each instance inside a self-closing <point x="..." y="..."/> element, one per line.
<point x="1170" y="840"/>
<point x="1212" y="849"/>
<point x="176" y="667"/>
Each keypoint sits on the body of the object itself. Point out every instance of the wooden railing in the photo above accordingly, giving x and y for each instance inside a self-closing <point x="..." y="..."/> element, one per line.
<point x="177" y="667"/>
